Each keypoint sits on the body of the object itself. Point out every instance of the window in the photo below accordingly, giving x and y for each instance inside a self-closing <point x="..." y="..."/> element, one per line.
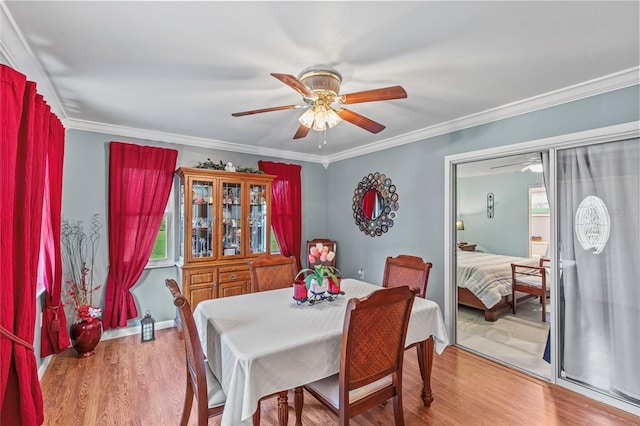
<point x="163" y="253"/>
<point x="160" y="246"/>
<point x="275" y="248"/>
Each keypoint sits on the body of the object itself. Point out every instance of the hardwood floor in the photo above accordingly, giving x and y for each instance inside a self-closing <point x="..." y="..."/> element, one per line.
<point x="130" y="383"/>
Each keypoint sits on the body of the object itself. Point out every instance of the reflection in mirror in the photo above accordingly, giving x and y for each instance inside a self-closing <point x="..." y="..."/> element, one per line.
<point x="504" y="240"/>
<point x="372" y="204"/>
<point x="375" y="204"/>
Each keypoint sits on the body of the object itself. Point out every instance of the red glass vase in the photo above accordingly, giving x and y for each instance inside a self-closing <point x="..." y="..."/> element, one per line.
<point x="85" y="336"/>
<point x="334" y="287"/>
<point x="299" y="290"/>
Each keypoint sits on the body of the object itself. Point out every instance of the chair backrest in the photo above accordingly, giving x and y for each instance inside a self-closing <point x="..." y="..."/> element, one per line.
<point x="329" y="243"/>
<point x="407" y="270"/>
<point x="194" y="354"/>
<point x="270" y="272"/>
<point x="373" y="342"/>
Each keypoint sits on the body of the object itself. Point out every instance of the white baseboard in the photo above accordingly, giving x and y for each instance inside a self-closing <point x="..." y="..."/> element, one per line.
<point x="44" y="365"/>
<point x="130" y="331"/>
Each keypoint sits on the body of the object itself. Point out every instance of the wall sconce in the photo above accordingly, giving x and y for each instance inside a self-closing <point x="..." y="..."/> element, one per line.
<point x="147" y="328"/>
<point x="460" y="225"/>
<point x="490" y="198"/>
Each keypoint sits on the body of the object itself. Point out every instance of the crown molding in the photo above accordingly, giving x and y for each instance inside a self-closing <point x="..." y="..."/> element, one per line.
<point x="20" y="56"/>
<point x="611" y="133"/>
<point x="609" y="83"/>
<point x="111" y="129"/>
<point x="14" y="47"/>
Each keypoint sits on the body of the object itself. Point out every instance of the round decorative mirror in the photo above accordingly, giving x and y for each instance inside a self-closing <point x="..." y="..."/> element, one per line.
<point x="375" y="204"/>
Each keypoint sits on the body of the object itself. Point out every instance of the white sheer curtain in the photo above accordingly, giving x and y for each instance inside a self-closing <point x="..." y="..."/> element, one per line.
<point x="600" y="290"/>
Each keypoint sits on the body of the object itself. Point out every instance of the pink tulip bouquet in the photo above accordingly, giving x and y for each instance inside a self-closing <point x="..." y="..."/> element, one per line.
<point x="319" y="267"/>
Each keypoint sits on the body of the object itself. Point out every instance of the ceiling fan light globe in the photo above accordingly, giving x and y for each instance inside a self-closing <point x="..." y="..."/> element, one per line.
<point x="307" y="118"/>
<point x="319" y="124"/>
<point x="332" y="118"/>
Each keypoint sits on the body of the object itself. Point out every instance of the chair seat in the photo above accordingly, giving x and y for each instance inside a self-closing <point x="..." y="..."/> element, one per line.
<point x="329" y="388"/>
<point x="215" y="395"/>
<point x="531" y="281"/>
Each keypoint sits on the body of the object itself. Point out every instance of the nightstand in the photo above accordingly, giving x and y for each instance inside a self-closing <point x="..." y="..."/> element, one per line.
<point x="465" y="246"/>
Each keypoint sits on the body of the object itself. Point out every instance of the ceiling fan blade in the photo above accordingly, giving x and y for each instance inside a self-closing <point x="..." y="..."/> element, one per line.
<point x="295" y="84"/>
<point x="301" y="132"/>
<point x="359" y="120"/>
<point x="510" y="165"/>
<point x="384" y="94"/>
<point x="257" y="111"/>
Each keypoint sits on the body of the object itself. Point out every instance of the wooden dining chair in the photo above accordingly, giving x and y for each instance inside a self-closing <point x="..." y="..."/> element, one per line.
<point x="371" y="357"/>
<point x="531" y="280"/>
<point x="329" y="243"/>
<point x="271" y="272"/>
<point x="414" y="272"/>
<point x="407" y="270"/>
<point x="201" y="383"/>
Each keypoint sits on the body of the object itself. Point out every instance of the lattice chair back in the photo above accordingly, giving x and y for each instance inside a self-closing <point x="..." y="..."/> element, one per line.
<point x="271" y="272"/>
<point x="374" y="335"/>
<point x="407" y="270"/>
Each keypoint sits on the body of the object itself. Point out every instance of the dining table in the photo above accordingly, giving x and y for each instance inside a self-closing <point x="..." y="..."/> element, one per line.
<point x="264" y="343"/>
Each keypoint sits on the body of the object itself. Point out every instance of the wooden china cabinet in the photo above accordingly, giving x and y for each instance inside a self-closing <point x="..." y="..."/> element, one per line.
<point x="225" y="221"/>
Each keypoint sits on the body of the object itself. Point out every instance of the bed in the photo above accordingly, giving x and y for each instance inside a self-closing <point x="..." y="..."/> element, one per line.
<point x="484" y="281"/>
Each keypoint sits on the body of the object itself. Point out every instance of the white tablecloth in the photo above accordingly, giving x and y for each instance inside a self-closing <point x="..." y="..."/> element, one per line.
<point x="261" y="343"/>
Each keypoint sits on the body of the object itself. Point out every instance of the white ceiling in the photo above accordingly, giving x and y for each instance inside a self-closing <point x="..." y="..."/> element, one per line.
<point x="175" y="71"/>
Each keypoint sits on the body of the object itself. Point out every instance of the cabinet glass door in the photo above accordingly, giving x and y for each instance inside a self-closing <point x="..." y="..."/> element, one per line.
<point x="231" y="219"/>
<point x="257" y="219"/>
<point x="202" y="219"/>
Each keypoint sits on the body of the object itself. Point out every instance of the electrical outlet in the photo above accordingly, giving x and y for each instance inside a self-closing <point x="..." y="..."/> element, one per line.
<point x="361" y="273"/>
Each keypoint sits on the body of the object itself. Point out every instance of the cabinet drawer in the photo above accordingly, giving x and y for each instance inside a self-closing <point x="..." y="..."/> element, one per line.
<point x="202" y="279"/>
<point x="232" y="288"/>
<point x="233" y="274"/>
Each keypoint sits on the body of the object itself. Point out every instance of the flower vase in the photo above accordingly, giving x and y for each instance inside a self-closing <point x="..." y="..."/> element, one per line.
<point x="318" y="289"/>
<point x="85" y="336"/>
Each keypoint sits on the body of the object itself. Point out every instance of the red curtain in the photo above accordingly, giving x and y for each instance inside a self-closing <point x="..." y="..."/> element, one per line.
<point x="54" y="337"/>
<point x="140" y="180"/>
<point x="24" y="119"/>
<point x="286" y="206"/>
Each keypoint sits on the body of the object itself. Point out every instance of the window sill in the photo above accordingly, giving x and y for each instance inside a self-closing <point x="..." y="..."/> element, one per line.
<point x="161" y="264"/>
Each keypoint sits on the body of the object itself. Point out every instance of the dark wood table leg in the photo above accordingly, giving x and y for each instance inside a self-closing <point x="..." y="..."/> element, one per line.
<point x="425" y="361"/>
<point x="298" y="404"/>
<point x="283" y="408"/>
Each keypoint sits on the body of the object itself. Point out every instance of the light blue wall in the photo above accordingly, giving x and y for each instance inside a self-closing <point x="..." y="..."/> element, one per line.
<point x="507" y="232"/>
<point x="418" y="171"/>
<point x="85" y="192"/>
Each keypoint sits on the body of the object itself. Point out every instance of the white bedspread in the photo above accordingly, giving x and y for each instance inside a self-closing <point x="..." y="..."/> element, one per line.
<point x="488" y="276"/>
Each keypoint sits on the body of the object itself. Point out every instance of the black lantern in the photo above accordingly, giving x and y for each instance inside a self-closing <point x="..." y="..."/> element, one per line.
<point x="147" y="331"/>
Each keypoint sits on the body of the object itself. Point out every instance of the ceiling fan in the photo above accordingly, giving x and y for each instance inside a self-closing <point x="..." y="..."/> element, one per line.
<point x="320" y="90"/>
<point x="532" y="163"/>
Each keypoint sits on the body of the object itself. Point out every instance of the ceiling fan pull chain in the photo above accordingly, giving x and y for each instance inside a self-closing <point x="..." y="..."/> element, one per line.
<point x="322" y="138"/>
